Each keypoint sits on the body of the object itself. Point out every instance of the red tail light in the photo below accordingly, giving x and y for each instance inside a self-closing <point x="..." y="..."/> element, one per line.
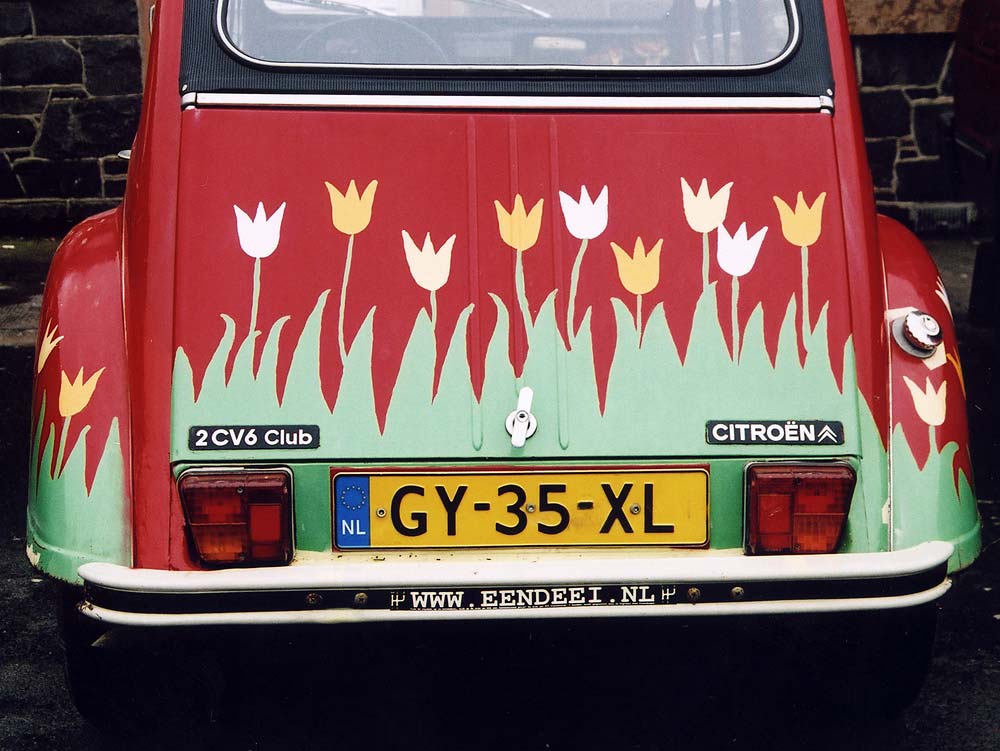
<point x="241" y="518"/>
<point x="798" y="508"/>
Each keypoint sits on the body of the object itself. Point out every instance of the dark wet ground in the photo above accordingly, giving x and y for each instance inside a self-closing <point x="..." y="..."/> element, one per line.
<point x="703" y="685"/>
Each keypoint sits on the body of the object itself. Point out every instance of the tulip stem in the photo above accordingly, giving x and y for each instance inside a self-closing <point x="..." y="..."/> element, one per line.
<point x="736" y="319"/>
<point x="638" y="318"/>
<point x="704" y="259"/>
<point x="522" y="295"/>
<point x="254" y="307"/>
<point x="434" y="317"/>
<point x="805" y="298"/>
<point x="62" y="447"/>
<point x="343" y="301"/>
<point x="574" y="280"/>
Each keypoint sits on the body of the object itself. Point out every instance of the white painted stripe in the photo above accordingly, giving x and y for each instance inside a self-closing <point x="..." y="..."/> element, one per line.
<point x="437" y="569"/>
<point x="461" y="101"/>
<point x="684" y="610"/>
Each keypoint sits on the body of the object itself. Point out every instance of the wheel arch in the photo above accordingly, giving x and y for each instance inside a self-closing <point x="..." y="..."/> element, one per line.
<point x="79" y="507"/>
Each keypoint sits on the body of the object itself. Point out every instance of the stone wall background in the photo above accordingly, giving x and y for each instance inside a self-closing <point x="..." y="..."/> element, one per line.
<point x="906" y="105"/>
<point x="70" y="93"/>
<point x="902" y="16"/>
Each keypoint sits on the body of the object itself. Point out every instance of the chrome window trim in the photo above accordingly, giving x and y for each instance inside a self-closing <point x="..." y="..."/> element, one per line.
<point x="418" y="101"/>
<point x="222" y="33"/>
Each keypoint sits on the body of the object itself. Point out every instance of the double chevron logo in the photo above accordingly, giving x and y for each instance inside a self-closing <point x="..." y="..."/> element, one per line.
<point x="827" y="435"/>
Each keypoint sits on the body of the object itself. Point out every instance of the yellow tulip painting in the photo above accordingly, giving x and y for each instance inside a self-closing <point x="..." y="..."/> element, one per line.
<point x="352" y="213"/>
<point x="48" y="345"/>
<point x="802" y="228"/>
<point x="74" y="396"/>
<point x="639" y="273"/>
<point x="519" y="229"/>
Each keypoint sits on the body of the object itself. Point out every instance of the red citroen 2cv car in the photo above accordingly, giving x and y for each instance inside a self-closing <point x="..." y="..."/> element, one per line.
<point x="457" y="310"/>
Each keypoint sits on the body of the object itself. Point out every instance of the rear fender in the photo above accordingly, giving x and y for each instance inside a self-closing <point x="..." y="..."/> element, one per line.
<point x="78" y="482"/>
<point x="931" y="494"/>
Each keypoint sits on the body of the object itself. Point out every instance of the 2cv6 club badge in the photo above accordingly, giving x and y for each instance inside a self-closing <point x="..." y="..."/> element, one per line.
<point x="478" y="310"/>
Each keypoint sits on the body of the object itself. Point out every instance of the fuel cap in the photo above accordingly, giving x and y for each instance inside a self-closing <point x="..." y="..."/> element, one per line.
<point x="917" y="333"/>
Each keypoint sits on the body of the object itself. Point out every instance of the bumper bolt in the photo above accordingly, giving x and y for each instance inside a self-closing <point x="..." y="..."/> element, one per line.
<point x="314" y="599"/>
<point x="694" y="594"/>
<point x="738" y="593"/>
<point x="360" y="600"/>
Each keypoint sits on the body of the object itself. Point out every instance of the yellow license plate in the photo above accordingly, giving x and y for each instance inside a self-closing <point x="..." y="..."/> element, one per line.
<point x="496" y="509"/>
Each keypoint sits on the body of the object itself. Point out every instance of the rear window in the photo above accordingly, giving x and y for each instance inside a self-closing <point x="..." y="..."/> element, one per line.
<point x="503" y="34"/>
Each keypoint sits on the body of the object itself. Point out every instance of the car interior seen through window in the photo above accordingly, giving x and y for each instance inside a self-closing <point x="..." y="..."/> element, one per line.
<point x="641" y="34"/>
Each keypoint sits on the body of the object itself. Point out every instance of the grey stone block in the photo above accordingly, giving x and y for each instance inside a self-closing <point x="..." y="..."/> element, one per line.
<point x="902" y="59"/>
<point x="9" y="186"/>
<point x="84" y="17"/>
<point x="16" y="131"/>
<point x="43" y="178"/>
<point x="881" y="161"/>
<point x="114" y="188"/>
<point x="885" y="113"/>
<point x="114" y="165"/>
<point x="33" y="218"/>
<point x="88" y="127"/>
<point x="23" y="101"/>
<point x="928" y="126"/>
<point x="925" y="180"/>
<point x="15" y="19"/>
<point x="112" y="65"/>
<point x="38" y="62"/>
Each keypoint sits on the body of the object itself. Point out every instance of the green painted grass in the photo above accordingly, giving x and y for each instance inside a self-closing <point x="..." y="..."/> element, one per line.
<point x="655" y="405"/>
<point x="67" y="526"/>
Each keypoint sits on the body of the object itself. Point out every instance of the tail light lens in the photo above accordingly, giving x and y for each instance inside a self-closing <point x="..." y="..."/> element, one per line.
<point x="238" y="518"/>
<point x="798" y="508"/>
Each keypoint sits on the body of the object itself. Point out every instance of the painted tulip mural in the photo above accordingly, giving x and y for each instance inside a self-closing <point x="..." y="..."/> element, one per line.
<point x="639" y="273"/>
<point x="705" y="213"/>
<point x="586" y="220"/>
<point x="453" y="298"/>
<point x="259" y="239"/>
<point x="456" y="285"/>
<point x="351" y="215"/>
<point x="801" y="227"/>
<point x="737" y="255"/>
<point x="519" y="229"/>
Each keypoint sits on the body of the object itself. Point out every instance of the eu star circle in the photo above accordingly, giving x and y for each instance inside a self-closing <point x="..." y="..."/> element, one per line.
<point x="352" y="497"/>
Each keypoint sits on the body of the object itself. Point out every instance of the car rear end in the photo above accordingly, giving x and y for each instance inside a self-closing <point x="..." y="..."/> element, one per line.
<point x="488" y="311"/>
<point x="485" y="357"/>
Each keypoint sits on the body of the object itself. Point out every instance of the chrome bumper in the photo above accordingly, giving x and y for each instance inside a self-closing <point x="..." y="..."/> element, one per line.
<point x="463" y="585"/>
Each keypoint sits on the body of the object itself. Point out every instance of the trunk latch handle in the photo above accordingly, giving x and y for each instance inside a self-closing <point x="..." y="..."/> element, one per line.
<point x="521" y="424"/>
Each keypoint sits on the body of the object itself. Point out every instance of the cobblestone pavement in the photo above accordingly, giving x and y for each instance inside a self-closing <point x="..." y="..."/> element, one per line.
<point x="504" y="688"/>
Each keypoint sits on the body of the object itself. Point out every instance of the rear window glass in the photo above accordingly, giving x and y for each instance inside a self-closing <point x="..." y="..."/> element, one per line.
<point x="614" y="34"/>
